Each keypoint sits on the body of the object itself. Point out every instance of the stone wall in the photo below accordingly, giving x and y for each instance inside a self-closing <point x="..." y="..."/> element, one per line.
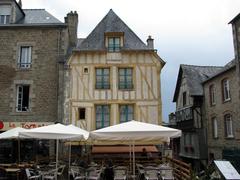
<point x="216" y="145"/>
<point x="43" y="76"/>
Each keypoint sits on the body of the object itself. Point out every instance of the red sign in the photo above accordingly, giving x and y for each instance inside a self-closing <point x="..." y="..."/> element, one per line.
<point x="27" y="125"/>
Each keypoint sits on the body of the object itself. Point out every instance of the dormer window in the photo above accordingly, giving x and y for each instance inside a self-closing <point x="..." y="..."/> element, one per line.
<point x="5" y="12"/>
<point x="114" y="44"/>
<point x="114" y="41"/>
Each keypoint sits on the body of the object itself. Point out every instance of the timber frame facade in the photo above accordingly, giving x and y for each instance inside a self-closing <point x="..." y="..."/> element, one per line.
<point x="109" y="86"/>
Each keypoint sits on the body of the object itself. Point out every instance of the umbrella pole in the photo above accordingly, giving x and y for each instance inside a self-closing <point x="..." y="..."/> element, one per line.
<point x="133" y="160"/>
<point x="130" y="157"/>
<point x="56" y="160"/>
<point x="19" y="151"/>
<point x="69" y="160"/>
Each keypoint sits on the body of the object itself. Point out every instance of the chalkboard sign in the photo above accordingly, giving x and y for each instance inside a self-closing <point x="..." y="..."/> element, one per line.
<point x="227" y="170"/>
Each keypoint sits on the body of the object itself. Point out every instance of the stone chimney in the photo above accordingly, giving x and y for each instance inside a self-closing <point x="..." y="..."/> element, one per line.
<point x="20" y="3"/>
<point x="150" y="43"/>
<point x="72" y="22"/>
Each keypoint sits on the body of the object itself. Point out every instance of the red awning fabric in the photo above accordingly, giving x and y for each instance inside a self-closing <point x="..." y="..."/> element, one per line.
<point x="122" y="149"/>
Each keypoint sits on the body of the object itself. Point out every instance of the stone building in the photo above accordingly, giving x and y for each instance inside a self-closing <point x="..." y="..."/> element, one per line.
<point x="222" y="104"/>
<point x="189" y="115"/>
<point x="33" y="48"/>
<point x="113" y="77"/>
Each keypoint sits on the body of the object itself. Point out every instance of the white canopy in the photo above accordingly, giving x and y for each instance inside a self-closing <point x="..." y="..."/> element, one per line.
<point x="54" y="131"/>
<point x="79" y="130"/>
<point x="12" y="133"/>
<point x="134" y="131"/>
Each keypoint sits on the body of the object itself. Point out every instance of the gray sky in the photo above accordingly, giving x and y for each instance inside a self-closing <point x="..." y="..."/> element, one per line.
<point x="185" y="31"/>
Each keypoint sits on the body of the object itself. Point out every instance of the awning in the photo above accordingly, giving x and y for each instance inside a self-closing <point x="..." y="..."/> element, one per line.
<point x="122" y="149"/>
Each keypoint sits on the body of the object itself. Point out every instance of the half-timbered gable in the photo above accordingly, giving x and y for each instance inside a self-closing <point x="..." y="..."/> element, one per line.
<point x="113" y="77"/>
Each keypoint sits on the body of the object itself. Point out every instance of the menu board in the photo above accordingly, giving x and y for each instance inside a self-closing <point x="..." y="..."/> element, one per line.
<point x="227" y="170"/>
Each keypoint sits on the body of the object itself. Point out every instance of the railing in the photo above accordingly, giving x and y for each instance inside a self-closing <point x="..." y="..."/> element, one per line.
<point x="181" y="170"/>
<point x="184" y="114"/>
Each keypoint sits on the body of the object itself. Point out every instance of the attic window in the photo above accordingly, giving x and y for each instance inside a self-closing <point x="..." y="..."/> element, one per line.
<point x="5" y="12"/>
<point x="113" y="44"/>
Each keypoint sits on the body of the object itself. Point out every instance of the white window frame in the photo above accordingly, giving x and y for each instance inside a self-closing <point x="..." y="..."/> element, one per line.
<point x="25" y="61"/>
<point x="228" y="126"/>
<point x="19" y="100"/>
<point x="5" y="12"/>
<point x="226" y="90"/>
<point x="215" y="127"/>
<point x="212" y="94"/>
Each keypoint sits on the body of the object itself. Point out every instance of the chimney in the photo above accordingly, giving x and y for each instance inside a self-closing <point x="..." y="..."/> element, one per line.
<point x="150" y="42"/>
<point x="20" y="3"/>
<point x="72" y="22"/>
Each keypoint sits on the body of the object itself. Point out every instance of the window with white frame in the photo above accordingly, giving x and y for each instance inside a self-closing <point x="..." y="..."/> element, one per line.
<point x="5" y="12"/>
<point x="102" y="116"/>
<point x="228" y="126"/>
<point x="125" y="78"/>
<point x="215" y="127"/>
<point x="23" y="93"/>
<point x="212" y="94"/>
<point x="126" y="113"/>
<point x="25" y="57"/>
<point x="226" y="90"/>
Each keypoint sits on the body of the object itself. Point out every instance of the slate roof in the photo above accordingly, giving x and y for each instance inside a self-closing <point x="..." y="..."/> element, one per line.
<point x="225" y="68"/>
<point x="111" y="23"/>
<point x="194" y="75"/>
<point x="234" y="19"/>
<point x="36" y="17"/>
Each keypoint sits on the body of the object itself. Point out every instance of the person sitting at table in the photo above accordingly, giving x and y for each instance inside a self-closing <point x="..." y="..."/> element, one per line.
<point x="108" y="172"/>
<point x="144" y="152"/>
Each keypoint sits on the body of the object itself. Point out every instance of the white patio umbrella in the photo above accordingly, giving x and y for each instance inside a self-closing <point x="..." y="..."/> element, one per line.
<point x="134" y="132"/>
<point x="13" y="134"/>
<point x="85" y="134"/>
<point x="54" y="131"/>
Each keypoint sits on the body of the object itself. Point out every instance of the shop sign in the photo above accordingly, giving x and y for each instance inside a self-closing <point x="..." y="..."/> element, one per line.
<point x="27" y="125"/>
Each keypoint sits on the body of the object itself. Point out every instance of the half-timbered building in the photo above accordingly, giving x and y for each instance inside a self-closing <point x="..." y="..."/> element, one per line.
<point x="113" y="77"/>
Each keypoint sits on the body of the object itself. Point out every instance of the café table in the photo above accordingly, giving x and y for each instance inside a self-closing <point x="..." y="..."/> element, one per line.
<point x="13" y="172"/>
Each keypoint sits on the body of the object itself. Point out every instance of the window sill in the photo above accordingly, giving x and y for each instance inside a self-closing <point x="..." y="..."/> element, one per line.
<point x="126" y="89"/>
<point x="23" y="69"/>
<point x="22" y="113"/>
<point x="226" y="100"/>
<point x="229" y="138"/>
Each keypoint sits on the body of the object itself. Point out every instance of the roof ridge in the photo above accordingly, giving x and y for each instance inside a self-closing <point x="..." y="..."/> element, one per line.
<point x="33" y="9"/>
<point x="199" y="65"/>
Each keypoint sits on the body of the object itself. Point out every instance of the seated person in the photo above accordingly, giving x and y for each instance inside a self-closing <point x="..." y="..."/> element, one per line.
<point x="109" y="172"/>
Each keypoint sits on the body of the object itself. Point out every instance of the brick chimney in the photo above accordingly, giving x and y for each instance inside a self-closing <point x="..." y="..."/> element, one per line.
<point x="150" y="43"/>
<point x="72" y="22"/>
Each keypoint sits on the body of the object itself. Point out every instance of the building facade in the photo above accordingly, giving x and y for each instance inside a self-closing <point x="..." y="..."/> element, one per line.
<point x="189" y="114"/>
<point x="222" y="104"/>
<point x="113" y="78"/>
<point x="33" y="49"/>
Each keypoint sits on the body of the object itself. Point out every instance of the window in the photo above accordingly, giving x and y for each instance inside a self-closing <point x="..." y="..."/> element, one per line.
<point x="125" y="78"/>
<point x="212" y="95"/>
<point x="4" y="19"/>
<point x="25" y="57"/>
<point x="228" y="126"/>
<point x="102" y="78"/>
<point x="102" y="116"/>
<point x="126" y="113"/>
<point x="85" y="70"/>
<point x="226" y="90"/>
<point x="184" y="96"/>
<point x="215" y="127"/>
<point x="113" y="44"/>
<point x="81" y="113"/>
<point x="5" y="12"/>
<point x="23" y="98"/>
